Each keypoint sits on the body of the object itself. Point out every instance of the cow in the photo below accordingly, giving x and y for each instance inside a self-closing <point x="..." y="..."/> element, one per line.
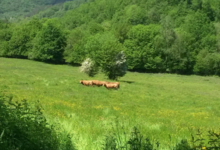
<point x="98" y="83"/>
<point x="95" y="82"/>
<point x="84" y="82"/>
<point x="112" y="85"/>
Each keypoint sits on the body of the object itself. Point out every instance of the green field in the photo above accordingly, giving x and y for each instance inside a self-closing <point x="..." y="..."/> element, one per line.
<point x="158" y="104"/>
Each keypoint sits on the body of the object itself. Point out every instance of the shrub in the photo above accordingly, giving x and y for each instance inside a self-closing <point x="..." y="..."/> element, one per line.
<point x="23" y="127"/>
<point x="207" y="63"/>
<point x="183" y="145"/>
<point x="136" y="141"/>
<point x="89" y="67"/>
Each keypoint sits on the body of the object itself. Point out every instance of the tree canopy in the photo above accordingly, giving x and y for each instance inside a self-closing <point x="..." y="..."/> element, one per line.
<point x="175" y="36"/>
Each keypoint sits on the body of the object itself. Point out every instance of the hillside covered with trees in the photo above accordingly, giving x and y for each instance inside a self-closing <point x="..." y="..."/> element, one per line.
<point x="174" y="36"/>
<point x="14" y="10"/>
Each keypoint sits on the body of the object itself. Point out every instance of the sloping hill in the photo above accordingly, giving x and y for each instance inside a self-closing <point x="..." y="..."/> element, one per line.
<point x="157" y="36"/>
<point x="160" y="104"/>
<point x="18" y="9"/>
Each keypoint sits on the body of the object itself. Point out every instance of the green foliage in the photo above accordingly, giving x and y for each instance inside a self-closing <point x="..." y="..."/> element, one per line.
<point x="132" y="141"/>
<point x="166" y="41"/>
<point x="18" y="9"/>
<point x="208" y="10"/>
<point x="199" y="141"/>
<point x="121" y="30"/>
<point x="169" y="102"/>
<point x="158" y="36"/>
<point x="136" y="141"/>
<point x="135" y="14"/>
<point x="5" y="36"/>
<point x="75" y="52"/>
<point x="140" y="50"/>
<point x="94" y="28"/>
<point x="207" y="63"/>
<point x="178" y="57"/>
<point x="24" y="127"/>
<point x="59" y="8"/>
<point x="120" y="66"/>
<point x="49" y="44"/>
<point x="197" y="24"/>
<point x="20" y="43"/>
<point x="104" y="49"/>
<point x="183" y="145"/>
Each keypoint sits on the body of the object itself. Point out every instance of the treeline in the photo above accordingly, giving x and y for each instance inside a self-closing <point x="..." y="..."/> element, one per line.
<point x="174" y="36"/>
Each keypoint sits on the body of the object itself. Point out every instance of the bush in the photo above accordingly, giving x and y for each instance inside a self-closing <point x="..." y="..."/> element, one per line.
<point x="207" y="63"/>
<point x="23" y="127"/>
<point x="89" y="67"/>
<point x="119" y="140"/>
<point x="135" y="142"/>
<point x="183" y="145"/>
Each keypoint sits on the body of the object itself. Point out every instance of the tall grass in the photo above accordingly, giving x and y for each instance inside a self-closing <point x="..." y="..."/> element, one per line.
<point x="158" y="104"/>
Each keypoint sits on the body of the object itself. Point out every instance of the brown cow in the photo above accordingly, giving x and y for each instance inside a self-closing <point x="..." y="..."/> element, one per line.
<point x="95" y="82"/>
<point x="112" y="85"/>
<point x="98" y="83"/>
<point x="84" y="82"/>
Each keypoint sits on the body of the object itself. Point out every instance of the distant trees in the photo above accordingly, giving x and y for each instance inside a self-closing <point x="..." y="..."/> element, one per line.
<point x="49" y="44"/>
<point x="207" y="63"/>
<point x="141" y="49"/>
<point x="155" y="36"/>
<point x="21" y="41"/>
<point x="75" y="52"/>
<point x="18" y="9"/>
<point x="5" y="36"/>
<point x="34" y="40"/>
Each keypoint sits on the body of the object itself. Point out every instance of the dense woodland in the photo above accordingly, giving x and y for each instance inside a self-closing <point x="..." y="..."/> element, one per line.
<point x="173" y="36"/>
<point x="16" y="10"/>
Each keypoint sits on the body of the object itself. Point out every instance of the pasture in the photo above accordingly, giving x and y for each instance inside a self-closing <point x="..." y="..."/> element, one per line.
<point x="158" y="104"/>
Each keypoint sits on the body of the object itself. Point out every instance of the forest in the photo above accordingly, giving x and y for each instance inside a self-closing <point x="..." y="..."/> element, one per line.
<point x="159" y="36"/>
<point x="16" y="10"/>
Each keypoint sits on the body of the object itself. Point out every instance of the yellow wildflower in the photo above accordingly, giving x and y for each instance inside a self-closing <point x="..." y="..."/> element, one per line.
<point x="116" y="108"/>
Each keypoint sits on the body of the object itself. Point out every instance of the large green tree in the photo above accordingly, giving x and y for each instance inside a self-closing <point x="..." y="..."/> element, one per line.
<point x="140" y="50"/>
<point x="5" y="36"/>
<point x="105" y="50"/>
<point x="75" y="50"/>
<point x="21" y="41"/>
<point x="49" y="44"/>
<point x="207" y="63"/>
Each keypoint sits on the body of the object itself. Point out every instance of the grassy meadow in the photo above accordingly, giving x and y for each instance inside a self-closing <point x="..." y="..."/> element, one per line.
<point x="158" y="104"/>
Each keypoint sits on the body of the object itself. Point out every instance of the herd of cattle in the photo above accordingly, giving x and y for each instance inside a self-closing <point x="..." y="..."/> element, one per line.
<point x="108" y="85"/>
